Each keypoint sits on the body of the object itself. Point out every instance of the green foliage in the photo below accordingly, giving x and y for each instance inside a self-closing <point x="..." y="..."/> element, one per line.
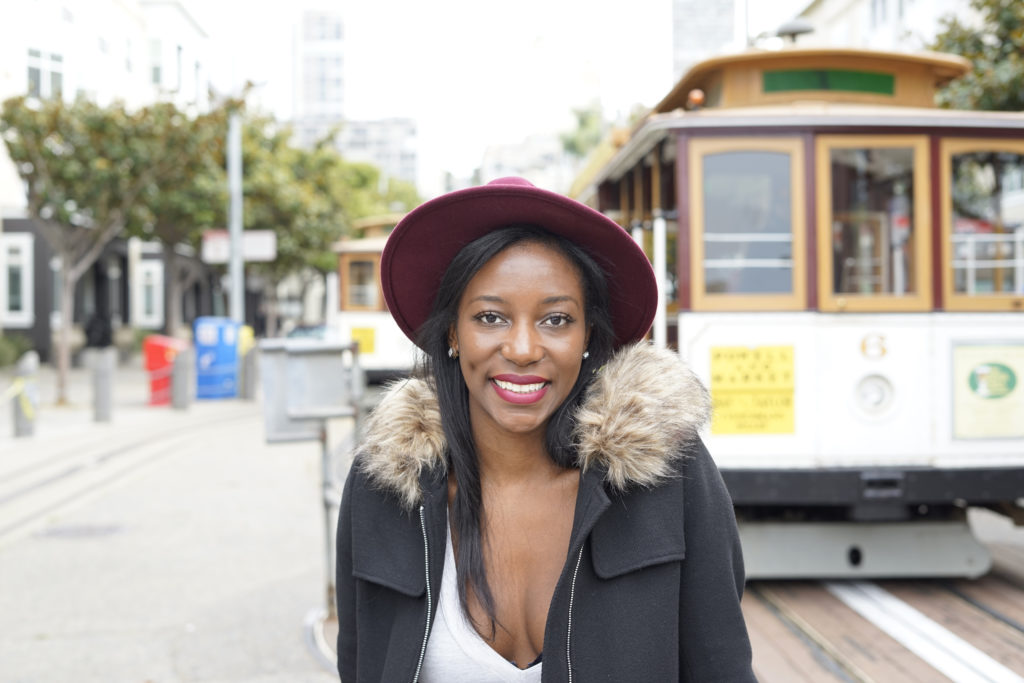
<point x="308" y="197"/>
<point x="12" y="347"/>
<point x="107" y="169"/>
<point x="192" y="195"/>
<point x="995" y="48"/>
<point x="590" y="129"/>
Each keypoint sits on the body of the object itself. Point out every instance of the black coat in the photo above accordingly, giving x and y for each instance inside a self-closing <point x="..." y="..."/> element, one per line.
<point x="651" y="586"/>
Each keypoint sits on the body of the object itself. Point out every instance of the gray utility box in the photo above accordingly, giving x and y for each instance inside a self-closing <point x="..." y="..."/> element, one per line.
<point x="306" y="382"/>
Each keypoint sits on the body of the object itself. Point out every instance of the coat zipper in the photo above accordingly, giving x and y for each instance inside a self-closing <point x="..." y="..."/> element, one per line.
<point x="430" y="605"/>
<point x="572" y="599"/>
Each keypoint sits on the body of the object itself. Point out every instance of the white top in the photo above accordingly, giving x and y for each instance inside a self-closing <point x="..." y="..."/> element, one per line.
<point x="455" y="651"/>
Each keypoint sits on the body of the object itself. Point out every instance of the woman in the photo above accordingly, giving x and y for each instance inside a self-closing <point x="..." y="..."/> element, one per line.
<point x="536" y="505"/>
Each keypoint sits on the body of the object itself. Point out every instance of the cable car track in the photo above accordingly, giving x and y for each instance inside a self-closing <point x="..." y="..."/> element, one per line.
<point x="906" y="630"/>
<point x="30" y="493"/>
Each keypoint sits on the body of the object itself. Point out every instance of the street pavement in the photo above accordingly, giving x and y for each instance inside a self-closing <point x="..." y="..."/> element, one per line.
<point x="165" y="546"/>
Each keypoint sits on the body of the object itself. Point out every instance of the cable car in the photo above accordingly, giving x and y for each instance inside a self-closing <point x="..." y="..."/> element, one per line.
<point x="843" y="265"/>
<point x="384" y="351"/>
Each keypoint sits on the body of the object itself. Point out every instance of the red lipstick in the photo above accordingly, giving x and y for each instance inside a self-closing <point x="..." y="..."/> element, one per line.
<point x="520" y="389"/>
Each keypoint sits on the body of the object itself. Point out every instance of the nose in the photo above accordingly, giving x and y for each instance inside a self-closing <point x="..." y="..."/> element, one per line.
<point x="523" y="345"/>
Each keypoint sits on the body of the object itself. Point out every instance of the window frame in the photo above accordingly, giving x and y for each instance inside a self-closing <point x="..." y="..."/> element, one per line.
<point x="345" y="262"/>
<point x="700" y="299"/>
<point x="140" y="317"/>
<point x="25" y="318"/>
<point x="954" y="301"/>
<point x="922" y="298"/>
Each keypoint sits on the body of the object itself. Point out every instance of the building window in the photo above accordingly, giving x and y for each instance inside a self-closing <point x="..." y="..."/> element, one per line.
<point x="156" y="59"/>
<point x="177" y="88"/>
<point x="873" y="239"/>
<point x="983" y="224"/>
<point x="148" y="299"/>
<point x="16" y="280"/>
<point x="45" y="74"/>
<point x="747" y="248"/>
<point x="877" y="13"/>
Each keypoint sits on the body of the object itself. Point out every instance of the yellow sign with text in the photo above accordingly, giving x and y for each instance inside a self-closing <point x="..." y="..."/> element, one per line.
<point x="365" y="338"/>
<point x="752" y="390"/>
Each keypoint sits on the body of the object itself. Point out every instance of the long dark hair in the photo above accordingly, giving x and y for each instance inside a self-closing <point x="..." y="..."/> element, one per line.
<point x="453" y="397"/>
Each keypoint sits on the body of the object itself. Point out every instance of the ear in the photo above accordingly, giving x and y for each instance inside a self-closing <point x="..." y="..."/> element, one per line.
<point x="586" y="340"/>
<point x="453" y="340"/>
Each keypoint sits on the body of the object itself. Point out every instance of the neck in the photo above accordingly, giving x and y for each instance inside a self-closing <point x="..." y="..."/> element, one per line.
<point x="519" y="457"/>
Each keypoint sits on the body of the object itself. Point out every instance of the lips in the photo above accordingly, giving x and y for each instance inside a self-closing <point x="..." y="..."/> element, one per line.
<point x="520" y="389"/>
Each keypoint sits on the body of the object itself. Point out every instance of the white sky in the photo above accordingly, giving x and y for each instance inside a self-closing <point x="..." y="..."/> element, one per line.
<point x="471" y="73"/>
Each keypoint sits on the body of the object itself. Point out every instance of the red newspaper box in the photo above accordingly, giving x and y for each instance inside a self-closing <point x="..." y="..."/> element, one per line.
<point x="158" y="352"/>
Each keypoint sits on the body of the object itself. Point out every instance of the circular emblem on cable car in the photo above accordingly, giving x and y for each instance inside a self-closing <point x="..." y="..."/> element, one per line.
<point x="874" y="395"/>
<point x="992" y="380"/>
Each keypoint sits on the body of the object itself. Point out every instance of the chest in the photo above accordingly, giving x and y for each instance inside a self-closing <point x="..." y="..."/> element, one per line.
<point x="525" y="545"/>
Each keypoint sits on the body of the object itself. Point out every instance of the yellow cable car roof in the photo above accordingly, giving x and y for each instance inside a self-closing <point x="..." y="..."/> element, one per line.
<point x="739" y="79"/>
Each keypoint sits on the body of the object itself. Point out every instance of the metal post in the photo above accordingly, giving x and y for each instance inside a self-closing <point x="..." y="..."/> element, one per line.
<point x="181" y="379"/>
<point x="327" y="492"/>
<point x="660" y="248"/>
<point x="235" y="218"/>
<point x="103" y="364"/>
<point x="331" y="489"/>
<point x="25" y="397"/>
<point x="247" y="381"/>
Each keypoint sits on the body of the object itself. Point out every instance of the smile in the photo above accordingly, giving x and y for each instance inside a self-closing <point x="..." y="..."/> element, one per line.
<point x="519" y="388"/>
<point x="520" y="393"/>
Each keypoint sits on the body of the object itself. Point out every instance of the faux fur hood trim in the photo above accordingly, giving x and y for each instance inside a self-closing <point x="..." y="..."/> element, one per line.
<point x="636" y="418"/>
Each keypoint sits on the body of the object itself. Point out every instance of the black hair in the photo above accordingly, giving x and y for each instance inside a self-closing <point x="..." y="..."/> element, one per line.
<point x="453" y="396"/>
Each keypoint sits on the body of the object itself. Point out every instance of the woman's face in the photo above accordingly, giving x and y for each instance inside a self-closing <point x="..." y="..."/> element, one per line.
<point x="520" y="334"/>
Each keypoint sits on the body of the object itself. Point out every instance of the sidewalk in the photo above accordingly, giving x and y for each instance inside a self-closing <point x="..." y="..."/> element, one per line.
<point x="204" y="561"/>
<point x="130" y="399"/>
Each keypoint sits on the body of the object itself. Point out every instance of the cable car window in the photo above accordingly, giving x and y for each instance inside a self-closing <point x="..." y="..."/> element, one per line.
<point x="871" y="220"/>
<point x="986" y="242"/>
<point x="747" y="224"/>
<point x="875" y="235"/>
<point x="748" y="243"/>
<point x="362" y="284"/>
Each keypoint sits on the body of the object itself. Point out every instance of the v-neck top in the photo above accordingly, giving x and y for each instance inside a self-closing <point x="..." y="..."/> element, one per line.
<point x="455" y="651"/>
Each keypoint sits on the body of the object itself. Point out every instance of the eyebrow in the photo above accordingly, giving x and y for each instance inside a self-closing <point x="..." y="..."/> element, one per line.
<point x="490" y="298"/>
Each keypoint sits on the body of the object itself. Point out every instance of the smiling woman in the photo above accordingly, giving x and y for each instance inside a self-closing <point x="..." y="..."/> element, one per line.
<point x="536" y="505"/>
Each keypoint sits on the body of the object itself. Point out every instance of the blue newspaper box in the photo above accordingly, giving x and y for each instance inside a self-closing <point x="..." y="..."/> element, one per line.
<point x="216" y="342"/>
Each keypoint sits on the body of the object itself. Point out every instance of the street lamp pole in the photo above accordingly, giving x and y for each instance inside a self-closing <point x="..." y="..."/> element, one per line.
<point x="235" y="264"/>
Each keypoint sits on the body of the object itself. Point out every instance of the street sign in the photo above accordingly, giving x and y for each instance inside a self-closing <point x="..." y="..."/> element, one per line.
<point x="257" y="245"/>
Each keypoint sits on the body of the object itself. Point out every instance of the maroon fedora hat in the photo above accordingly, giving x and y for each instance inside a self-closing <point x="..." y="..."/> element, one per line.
<point x="422" y="245"/>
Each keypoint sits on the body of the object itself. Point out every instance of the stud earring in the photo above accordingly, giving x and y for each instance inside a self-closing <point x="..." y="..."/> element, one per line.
<point x="452" y="353"/>
<point x="586" y="355"/>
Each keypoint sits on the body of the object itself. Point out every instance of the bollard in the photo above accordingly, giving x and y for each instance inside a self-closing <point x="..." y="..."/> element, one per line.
<point x="181" y="379"/>
<point x="247" y="384"/>
<point x="104" y="363"/>
<point x="26" y="394"/>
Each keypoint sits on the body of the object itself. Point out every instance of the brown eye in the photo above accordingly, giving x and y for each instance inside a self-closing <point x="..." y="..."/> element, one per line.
<point x="558" y="320"/>
<point x="488" y="318"/>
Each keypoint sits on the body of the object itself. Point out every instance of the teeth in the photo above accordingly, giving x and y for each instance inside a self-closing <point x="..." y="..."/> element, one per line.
<point x="519" y="388"/>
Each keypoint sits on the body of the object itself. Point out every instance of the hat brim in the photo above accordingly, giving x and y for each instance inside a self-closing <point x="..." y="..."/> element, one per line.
<point x="422" y="245"/>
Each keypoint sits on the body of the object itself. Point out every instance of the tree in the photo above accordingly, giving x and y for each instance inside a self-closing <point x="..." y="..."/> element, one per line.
<point x="192" y="198"/>
<point x="92" y="173"/>
<point x="590" y="128"/>
<point x="995" y="48"/>
<point x="308" y="197"/>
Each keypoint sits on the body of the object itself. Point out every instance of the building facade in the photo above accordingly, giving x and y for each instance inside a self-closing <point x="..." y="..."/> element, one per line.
<point x="699" y="30"/>
<point x="388" y="144"/>
<point x="319" y="75"/>
<point x="104" y="50"/>
<point x="891" y="25"/>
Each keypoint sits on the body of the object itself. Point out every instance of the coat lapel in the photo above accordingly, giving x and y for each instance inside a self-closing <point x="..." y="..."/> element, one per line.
<point x="633" y="534"/>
